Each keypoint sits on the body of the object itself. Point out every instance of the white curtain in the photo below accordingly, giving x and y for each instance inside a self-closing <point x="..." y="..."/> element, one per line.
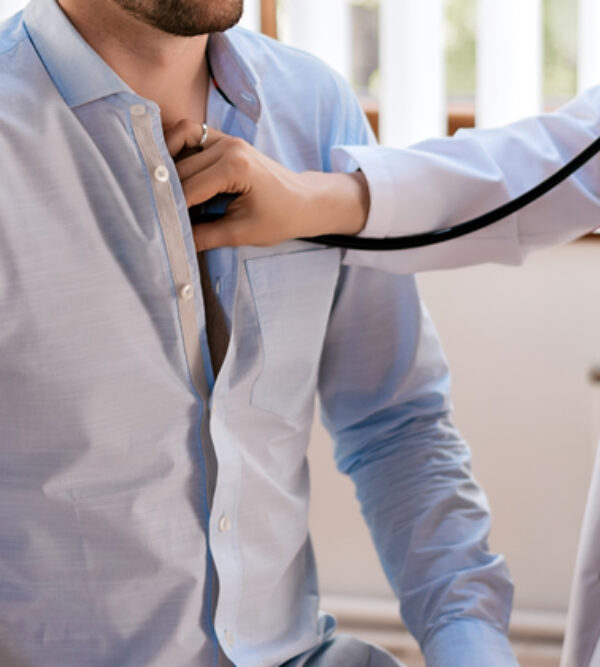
<point x="412" y="71"/>
<point x="509" y="60"/>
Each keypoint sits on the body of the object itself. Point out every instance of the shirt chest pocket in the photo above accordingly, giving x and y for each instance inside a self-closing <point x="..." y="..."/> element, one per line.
<point x="293" y="295"/>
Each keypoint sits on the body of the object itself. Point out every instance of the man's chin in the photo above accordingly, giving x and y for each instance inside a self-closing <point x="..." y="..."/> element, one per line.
<point x="186" y="18"/>
<point x="199" y="28"/>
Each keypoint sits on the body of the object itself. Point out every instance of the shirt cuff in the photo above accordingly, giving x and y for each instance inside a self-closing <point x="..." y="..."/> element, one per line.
<point x="469" y="643"/>
<point x="383" y="212"/>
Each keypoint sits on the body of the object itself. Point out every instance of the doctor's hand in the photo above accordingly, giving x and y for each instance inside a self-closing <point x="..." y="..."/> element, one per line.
<point x="274" y="203"/>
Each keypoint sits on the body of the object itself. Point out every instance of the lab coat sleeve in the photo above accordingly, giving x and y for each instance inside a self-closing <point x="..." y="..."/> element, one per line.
<point x="384" y="389"/>
<point x="443" y="182"/>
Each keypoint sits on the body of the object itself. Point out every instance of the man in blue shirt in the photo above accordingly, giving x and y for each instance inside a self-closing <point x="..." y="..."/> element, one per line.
<point x="154" y="415"/>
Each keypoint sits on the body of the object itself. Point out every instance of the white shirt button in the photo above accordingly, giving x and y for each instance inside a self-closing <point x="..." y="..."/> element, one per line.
<point x="224" y="523"/>
<point x="137" y="110"/>
<point x="229" y="638"/>
<point x="161" y="174"/>
<point x="187" y="292"/>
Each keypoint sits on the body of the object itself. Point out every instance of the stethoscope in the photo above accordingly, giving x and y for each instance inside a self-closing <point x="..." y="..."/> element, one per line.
<point x="215" y="209"/>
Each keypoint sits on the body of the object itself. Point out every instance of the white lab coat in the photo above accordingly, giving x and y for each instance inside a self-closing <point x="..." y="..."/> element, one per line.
<point x="442" y="182"/>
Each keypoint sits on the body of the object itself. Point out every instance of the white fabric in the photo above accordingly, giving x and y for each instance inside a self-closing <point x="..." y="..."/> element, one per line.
<point x="582" y="642"/>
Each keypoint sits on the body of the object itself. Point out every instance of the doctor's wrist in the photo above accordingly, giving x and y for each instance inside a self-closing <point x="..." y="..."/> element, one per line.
<point x="340" y="203"/>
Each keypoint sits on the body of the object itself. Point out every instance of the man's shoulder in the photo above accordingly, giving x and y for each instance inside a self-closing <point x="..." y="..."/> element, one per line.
<point x="17" y="58"/>
<point x="12" y="34"/>
<point x="281" y="64"/>
<point x="306" y="106"/>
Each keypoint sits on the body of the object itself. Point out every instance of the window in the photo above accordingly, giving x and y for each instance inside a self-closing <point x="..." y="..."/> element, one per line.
<point x="463" y="33"/>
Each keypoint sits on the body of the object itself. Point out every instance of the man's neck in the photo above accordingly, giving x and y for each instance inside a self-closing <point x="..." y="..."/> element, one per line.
<point x="167" y="69"/>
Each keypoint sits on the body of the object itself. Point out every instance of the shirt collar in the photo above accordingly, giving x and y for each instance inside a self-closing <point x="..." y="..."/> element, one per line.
<point x="81" y="76"/>
<point x="77" y="71"/>
<point x="233" y="72"/>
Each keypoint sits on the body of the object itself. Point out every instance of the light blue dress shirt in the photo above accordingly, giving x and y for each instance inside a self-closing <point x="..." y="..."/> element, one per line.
<point x="148" y="514"/>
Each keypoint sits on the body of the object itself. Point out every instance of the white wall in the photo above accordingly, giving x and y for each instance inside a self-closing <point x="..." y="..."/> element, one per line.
<point x="520" y="342"/>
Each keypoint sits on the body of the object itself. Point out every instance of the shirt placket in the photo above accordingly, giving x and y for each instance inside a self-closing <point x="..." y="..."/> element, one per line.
<point x="221" y="524"/>
<point x="189" y="299"/>
<point x="174" y="242"/>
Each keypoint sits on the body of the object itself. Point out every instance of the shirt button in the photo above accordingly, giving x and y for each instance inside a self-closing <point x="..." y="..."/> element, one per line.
<point x="187" y="292"/>
<point x="224" y="523"/>
<point x="161" y="174"/>
<point x="137" y="110"/>
<point x="229" y="638"/>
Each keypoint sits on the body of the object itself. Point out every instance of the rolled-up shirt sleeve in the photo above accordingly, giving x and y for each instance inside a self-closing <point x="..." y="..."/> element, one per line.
<point x="442" y="182"/>
<point x="384" y="388"/>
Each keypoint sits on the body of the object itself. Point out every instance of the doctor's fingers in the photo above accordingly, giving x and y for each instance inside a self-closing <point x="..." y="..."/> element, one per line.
<point x="233" y="230"/>
<point x="235" y="153"/>
<point x="230" y="162"/>
<point x="197" y="163"/>
<point x="213" y="175"/>
<point x="187" y="134"/>
<point x="248" y="221"/>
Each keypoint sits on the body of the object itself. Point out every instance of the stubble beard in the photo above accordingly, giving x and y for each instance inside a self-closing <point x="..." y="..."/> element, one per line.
<point x="186" y="18"/>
